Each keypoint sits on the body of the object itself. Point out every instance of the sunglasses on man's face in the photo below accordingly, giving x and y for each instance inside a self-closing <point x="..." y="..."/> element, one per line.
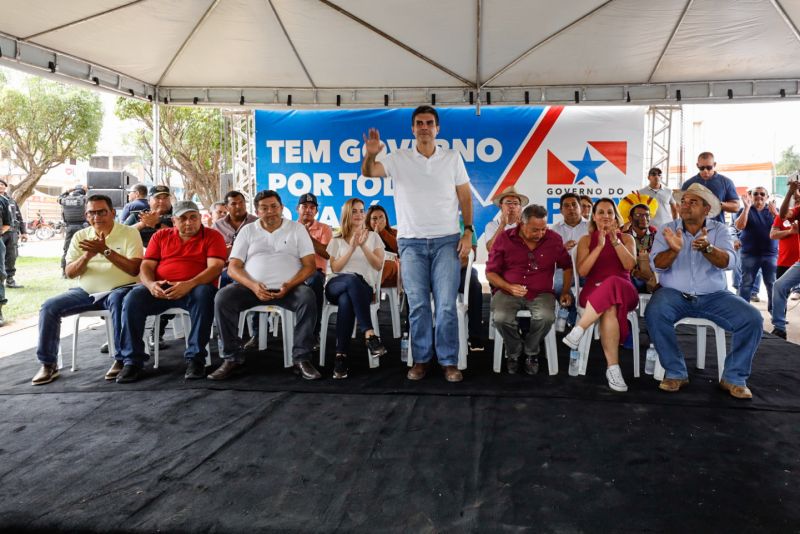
<point x="705" y="167"/>
<point x="759" y="194"/>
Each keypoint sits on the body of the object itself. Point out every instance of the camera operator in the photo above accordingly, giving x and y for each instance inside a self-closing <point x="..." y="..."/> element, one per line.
<point x="73" y="205"/>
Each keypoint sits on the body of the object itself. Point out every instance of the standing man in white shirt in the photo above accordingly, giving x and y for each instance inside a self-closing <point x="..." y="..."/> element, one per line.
<point x="571" y="228"/>
<point x="511" y="205"/>
<point x="430" y="185"/>
<point x="667" y="207"/>
<point x="270" y="261"/>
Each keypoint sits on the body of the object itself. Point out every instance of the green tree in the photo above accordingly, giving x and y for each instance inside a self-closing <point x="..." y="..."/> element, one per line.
<point x="45" y="123"/>
<point x="190" y="143"/>
<point x="789" y="162"/>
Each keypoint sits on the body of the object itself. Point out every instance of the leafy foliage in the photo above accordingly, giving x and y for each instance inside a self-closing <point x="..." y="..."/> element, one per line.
<point x="789" y="162"/>
<point x="46" y="123"/>
<point x="190" y="139"/>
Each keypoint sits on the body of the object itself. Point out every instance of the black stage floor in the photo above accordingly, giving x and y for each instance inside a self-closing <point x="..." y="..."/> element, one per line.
<point x="267" y="451"/>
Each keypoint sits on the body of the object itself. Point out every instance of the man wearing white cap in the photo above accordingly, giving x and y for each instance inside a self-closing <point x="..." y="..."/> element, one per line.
<point x="511" y="204"/>
<point x="691" y="255"/>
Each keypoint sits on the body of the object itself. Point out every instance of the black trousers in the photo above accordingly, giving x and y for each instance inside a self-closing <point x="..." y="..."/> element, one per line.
<point x="11" y="241"/>
<point x="71" y="230"/>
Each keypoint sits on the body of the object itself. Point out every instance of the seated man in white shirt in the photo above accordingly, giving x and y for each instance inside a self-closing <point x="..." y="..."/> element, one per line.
<point x="270" y="261"/>
<point x="571" y="228"/>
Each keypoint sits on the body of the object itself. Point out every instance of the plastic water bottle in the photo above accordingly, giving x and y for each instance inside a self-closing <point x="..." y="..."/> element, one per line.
<point x="404" y="347"/>
<point x="650" y="360"/>
<point x="574" y="362"/>
<point x="561" y="321"/>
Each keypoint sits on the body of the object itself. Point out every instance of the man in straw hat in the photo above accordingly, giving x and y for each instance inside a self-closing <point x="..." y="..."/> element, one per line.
<point x="691" y="255"/>
<point x="511" y="204"/>
<point x="636" y="210"/>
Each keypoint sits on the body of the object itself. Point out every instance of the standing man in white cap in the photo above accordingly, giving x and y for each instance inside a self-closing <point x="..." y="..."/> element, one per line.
<point x="691" y="255"/>
<point x="511" y="204"/>
<point x="430" y="185"/>
<point x="667" y="207"/>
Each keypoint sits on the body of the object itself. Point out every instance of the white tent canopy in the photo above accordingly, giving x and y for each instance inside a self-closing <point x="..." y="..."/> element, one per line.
<point x="406" y="52"/>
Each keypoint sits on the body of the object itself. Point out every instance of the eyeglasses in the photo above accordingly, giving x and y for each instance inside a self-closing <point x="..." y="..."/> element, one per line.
<point x="511" y="203"/>
<point x="759" y="194"/>
<point x="97" y="213"/>
<point x="705" y="167"/>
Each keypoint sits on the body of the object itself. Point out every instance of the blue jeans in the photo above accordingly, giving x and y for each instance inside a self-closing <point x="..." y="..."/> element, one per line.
<point x="751" y="266"/>
<point x="780" y="291"/>
<point x="76" y="300"/>
<point x="352" y="294"/>
<point x="667" y="306"/>
<point x="737" y="277"/>
<point x="432" y="266"/>
<point x="139" y="303"/>
<point x="475" y="304"/>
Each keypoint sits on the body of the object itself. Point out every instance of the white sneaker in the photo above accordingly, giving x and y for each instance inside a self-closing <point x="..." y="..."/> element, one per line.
<point x="615" y="380"/>
<point x="573" y="339"/>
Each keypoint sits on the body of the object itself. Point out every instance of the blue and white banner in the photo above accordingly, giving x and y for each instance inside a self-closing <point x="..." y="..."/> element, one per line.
<point x="543" y="151"/>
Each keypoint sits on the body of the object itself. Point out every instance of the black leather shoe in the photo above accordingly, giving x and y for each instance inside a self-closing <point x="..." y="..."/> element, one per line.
<point x="512" y="364"/>
<point x="225" y="370"/>
<point x="104" y="348"/>
<point x="251" y="344"/>
<point x="532" y="365"/>
<point x="307" y="370"/>
<point x="195" y="369"/>
<point x="129" y="373"/>
<point x="12" y="284"/>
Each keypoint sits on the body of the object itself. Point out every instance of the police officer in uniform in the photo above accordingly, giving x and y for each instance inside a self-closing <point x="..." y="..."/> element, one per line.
<point x="5" y="224"/>
<point x="11" y="237"/>
<point x="73" y="204"/>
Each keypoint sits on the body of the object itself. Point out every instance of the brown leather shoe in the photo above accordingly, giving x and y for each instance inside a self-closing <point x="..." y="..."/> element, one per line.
<point x="672" y="384"/>
<point x="225" y="370"/>
<point x="452" y="374"/>
<point x="418" y="371"/>
<point x="116" y="367"/>
<point x="46" y="374"/>
<point x="307" y="370"/>
<point x="740" y="392"/>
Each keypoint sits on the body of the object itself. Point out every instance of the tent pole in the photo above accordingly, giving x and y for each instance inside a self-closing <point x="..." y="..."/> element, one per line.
<point x="156" y="138"/>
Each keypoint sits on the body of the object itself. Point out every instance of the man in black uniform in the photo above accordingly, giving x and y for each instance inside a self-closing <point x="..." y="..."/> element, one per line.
<point x="73" y="204"/>
<point x="5" y="224"/>
<point x="11" y="237"/>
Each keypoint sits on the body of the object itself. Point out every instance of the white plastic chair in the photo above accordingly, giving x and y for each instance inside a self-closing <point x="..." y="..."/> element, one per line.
<point x="178" y="314"/>
<point x="392" y="294"/>
<point x="288" y="320"/>
<point x="550" y="346"/>
<point x="462" y="308"/>
<point x="329" y="309"/>
<point x="105" y="314"/>
<point x="719" y="335"/>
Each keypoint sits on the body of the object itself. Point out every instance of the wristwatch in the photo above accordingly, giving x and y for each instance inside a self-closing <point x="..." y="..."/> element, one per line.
<point x="469" y="227"/>
<point x="709" y="249"/>
<point x="107" y="252"/>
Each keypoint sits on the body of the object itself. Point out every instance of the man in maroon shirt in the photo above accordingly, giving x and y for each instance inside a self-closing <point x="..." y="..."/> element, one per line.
<point x="180" y="269"/>
<point x="520" y="269"/>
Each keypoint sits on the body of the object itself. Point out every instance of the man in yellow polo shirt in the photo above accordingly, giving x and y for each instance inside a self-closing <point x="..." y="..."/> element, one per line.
<point x="105" y="258"/>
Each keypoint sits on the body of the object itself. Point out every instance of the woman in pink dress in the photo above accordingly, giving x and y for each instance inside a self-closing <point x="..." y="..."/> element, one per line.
<point x="605" y="257"/>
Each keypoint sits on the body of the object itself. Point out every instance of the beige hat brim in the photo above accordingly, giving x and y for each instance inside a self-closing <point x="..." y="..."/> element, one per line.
<point x="706" y="195"/>
<point x="522" y="199"/>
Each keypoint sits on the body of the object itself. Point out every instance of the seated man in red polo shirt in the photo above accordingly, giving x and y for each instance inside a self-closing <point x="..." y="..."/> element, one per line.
<point x="179" y="270"/>
<point x="520" y="269"/>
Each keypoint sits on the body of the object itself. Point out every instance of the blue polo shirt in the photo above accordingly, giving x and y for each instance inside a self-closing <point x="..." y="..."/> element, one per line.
<point x="691" y="272"/>
<point x="720" y="185"/>
<point x="755" y="235"/>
